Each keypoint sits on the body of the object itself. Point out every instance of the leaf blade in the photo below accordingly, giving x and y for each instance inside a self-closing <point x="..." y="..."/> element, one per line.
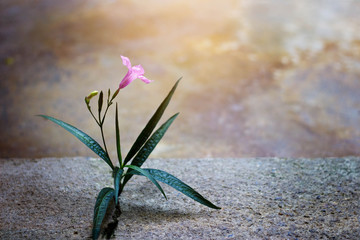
<point x="117" y="177"/>
<point x="177" y="184"/>
<point x="117" y="129"/>
<point x="100" y="103"/>
<point x="146" y="132"/>
<point x="150" y="145"/>
<point x="148" y="175"/>
<point x="101" y="205"/>
<point x="99" y="197"/>
<point x="83" y="137"/>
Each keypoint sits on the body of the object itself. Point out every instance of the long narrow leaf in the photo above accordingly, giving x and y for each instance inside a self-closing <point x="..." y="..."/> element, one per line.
<point x="149" y="146"/>
<point x="108" y="98"/>
<point x="146" y="174"/>
<point x="174" y="182"/>
<point x="118" y="146"/>
<point x="146" y="132"/>
<point x="100" y="103"/>
<point x="83" y="137"/>
<point x="100" y="196"/>
<point x="102" y="203"/>
<point x="117" y="177"/>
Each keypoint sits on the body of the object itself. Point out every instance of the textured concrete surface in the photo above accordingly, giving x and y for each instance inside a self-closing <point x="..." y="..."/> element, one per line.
<point x="261" y="198"/>
<point x="261" y="78"/>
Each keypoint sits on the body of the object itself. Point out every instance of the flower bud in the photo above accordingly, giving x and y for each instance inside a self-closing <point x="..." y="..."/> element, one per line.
<point x="92" y="94"/>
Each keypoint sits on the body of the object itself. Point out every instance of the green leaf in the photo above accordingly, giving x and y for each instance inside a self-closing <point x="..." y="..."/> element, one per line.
<point x="146" y="132"/>
<point x="100" y="103"/>
<point x="101" y="205"/>
<point x="117" y="177"/>
<point x="118" y="146"/>
<point x="145" y="173"/>
<point x="83" y="137"/>
<point x="99" y="197"/>
<point x="174" y="182"/>
<point x="149" y="146"/>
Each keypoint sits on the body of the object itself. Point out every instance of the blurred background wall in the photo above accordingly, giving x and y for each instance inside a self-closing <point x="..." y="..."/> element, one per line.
<point x="260" y="78"/>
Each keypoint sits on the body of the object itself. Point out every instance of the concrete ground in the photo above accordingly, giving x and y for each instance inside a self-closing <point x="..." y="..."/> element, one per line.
<point x="261" y="198"/>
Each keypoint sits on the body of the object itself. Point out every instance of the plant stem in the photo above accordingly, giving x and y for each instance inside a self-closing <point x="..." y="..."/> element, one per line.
<point x="103" y="119"/>
<point x="93" y="116"/>
<point x="103" y="138"/>
<point x="100" y="121"/>
<point x="101" y="127"/>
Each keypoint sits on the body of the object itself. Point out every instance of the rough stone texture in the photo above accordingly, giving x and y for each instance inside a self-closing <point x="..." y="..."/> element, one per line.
<point x="261" y="198"/>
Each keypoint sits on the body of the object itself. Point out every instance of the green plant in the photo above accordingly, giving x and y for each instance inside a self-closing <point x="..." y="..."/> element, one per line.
<point x="138" y="153"/>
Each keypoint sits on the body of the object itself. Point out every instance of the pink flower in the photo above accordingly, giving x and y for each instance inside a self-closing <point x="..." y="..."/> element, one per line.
<point x="133" y="73"/>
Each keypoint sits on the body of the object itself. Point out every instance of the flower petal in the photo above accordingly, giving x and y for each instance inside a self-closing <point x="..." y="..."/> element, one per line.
<point x="138" y="69"/>
<point x="129" y="77"/>
<point x="126" y="62"/>
<point x="133" y="73"/>
<point x="144" y="79"/>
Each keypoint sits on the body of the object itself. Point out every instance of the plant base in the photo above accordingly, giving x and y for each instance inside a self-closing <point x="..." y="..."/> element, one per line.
<point x="111" y="220"/>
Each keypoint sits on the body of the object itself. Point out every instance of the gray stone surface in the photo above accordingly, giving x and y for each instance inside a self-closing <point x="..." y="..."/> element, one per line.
<point x="261" y="198"/>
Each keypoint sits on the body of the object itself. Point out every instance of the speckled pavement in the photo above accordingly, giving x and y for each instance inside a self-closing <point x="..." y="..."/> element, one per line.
<point x="261" y="198"/>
